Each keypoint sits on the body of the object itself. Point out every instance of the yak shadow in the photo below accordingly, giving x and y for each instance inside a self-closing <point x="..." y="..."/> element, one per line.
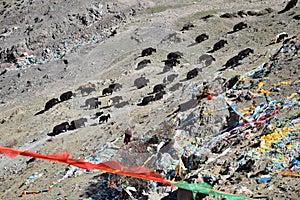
<point x="165" y="70"/>
<point x="140" y="104"/>
<point x="230" y="67"/>
<point x="211" y="51"/>
<point x="160" y="73"/>
<point x="44" y="110"/>
<point x="40" y="112"/>
<point x="3" y="72"/>
<point x="175" y="87"/>
<point x="121" y="104"/>
<point x="105" y="107"/>
<point x="271" y="43"/>
<point x="184" y="80"/>
<point x="97" y="114"/>
<point x="51" y="134"/>
<point x="230" y="32"/>
<point x="94" y="124"/>
<point x="101" y="96"/>
<point x="193" y="44"/>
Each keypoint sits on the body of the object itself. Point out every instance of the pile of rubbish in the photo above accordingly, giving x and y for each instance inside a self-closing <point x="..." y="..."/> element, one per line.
<point x="259" y="140"/>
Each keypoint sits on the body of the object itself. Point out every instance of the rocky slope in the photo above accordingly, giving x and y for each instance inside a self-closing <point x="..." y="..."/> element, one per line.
<point x="48" y="48"/>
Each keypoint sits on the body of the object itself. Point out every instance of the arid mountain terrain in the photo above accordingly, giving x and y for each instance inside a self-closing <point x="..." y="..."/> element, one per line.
<point x="226" y="117"/>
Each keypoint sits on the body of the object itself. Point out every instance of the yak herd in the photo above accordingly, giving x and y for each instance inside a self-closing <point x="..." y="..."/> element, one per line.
<point x="173" y="59"/>
<point x="90" y="103"/>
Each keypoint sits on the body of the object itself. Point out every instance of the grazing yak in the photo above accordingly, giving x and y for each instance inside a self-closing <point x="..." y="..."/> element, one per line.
<point x="87" y="88"/>
<point x="187" y="26"/>
<point x="115" y="86"/>
<point x="143" y="64"/>
<point x="206" y="17"/>
<point x="207" y="59"/>
<point x="167" y="68"/>
<point x="201" y="38"/>
<point x="232" y="62"/>
<point x="159" y="95"/>
<point x="147" y="52"/>
<point x="231" y="82"/>
<point x="98" y="114"/>
<point x="78" y="123"/>
<point x="170" y="78"/>
<point x="218" y="45"/>
<point x="146" y="100"/>
<point x="63" y="127"/>
<point x="116" y="99"/>
<point x="121" y="104"/>
<point x="107" y="91"/>
<point x="65" y="61"/>
<point x="52" y="102"/>
<point x="289" y="5"/>
<point x="66" y="96"/>
<point x="174" y="55"/>
<point x="92" y="103"/>
<point x="141" y="82"/>
<point x="239" y="26"/>
<point x="297" y="17"/>
<point x="244" y="53"/>
<point x="191" y="74"/>
<point x="104" y="118"/>
<point x="242" y="13"/>
<point x="171" y="62"/>
<point x="228" y="15"/>
<point x="159" y="88"/>
<point x="280" y="37"/>
<point x="175" y="87"/>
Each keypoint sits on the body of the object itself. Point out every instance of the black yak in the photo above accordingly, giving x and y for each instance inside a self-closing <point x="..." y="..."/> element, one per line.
<point x="174" y="55"/>
<point x="107" y="91"/>
<point x="104" y="118"/>
<point x="239" y="26"/>
<point x="143" y="64"/>
<point x="191" y="74"/>
<point x="158" y="96"/>
<point x="66" y="96"/>
<point x="115" y="86"/>
<point x="201" y="38"/>
<point x="171" y="62"/>
<point x="146" y="100"/>
<point x="244" y="53"/>
<point x="49" y="104"/>
<point x="159" y="88"/>
<point x="218" y="45"/>
<point x="63" y="127"/>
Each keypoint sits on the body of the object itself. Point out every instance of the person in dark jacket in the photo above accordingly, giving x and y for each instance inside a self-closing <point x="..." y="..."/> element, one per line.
<point x="128" y="135"/>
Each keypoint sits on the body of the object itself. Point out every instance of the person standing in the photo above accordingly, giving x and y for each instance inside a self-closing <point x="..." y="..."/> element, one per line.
<point x="128" y="135"/>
